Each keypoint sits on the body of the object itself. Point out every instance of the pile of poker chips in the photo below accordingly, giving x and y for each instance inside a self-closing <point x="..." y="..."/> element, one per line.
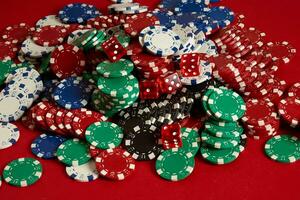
<point x="63" y="53"/>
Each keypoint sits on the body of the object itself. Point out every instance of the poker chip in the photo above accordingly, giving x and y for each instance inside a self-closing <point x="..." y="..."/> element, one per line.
<point x="294" y="90"/>
<point x="73" y="152"/>
<point x="142" y="143"/>
<point x="104" y="135"/>
<point x="161" y="41"/>
<point x="45" y="146"/>
<point x="221" y="156"/>
<point x="115" y="164"/>
<point x="49" y="35"/>
<point x="218" y="103"/>
<point x="17" y="33"/>
<point x="83" y="173"/>
<point x="174" y="164"/>
<point x="40" y="113"/>
<point x="190" y="140"/>
<point x="30" y="48"/>
<point x="219" y="143"/>
<point x="72" y="93"/>
<point x="136" y="23"/>
<point x="280" y="51"/>
<point x="223" y="131"/>
<point x="224" y="16"/>
<point x="283" y="148"/>
<point x="77" y="13"/>
<point x="7" y="50"/>
<point x="22" y="172"/>
<point x="67" y="60"/>
<point x="117" y="69"/>
<point x="50" y="20"/>
<point x="289" y="109"/>
<point x="9" y="135"/>
<point x="187" y="6"/>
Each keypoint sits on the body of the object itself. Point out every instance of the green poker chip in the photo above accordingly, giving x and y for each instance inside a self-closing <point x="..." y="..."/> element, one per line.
<point x="283" y="148"/>
<point x="220" y="156"/>
<point x="123" y="67"/>
<point x="223" y="123"/>
<point x="85" y="38"/>
<point x="98" y="39"/>
<point x="6" y="67"/>
<point x="219" y="143"/>
<point x="175" y="164"/>
<point x="190" y="140"/>
<point x="118" y="87"/>
<point x="104" y="135"/>
<point x="224" y="131"/>
<point x="205" y="98"/>
<point x="22" y="172"/>
<point x="226" y="105"/>
<point x="73" y="152"/>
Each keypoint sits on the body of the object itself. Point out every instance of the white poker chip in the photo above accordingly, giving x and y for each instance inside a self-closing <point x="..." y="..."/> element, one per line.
<point x="83" y="173"/>
<point x="9" y="135"/>
<point x="124" y="6"/>
<point x="161" y="41"/>
<point x="50" y="20"/>
<point x="187" y="38"/>
<point x="141" y="9"/>
<point x="209" y="48"/>
<point x="33" y="50"/>
<point x="206" y="74"/>
<point x="25" y="72"/>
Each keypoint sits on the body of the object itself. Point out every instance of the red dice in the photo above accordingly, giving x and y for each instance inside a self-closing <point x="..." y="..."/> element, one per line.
<point x="113" y="49"/>
<point x="171" y="136"/>
<point x="190" y="64"/>
<point x="169" y="82"/>
<point x="149" y="89"/>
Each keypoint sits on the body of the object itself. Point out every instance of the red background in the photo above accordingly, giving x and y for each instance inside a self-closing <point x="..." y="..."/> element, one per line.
<point x="252" y="176"/>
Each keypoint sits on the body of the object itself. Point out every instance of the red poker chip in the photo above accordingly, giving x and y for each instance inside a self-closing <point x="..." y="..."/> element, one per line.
<point x="115" y="164"/>
<point x="223" y="34"/>
<point x="40" y="113"/>
<point x="255" y="36"/>
<point x="134" y="48"/>
<point x="67" y="60"/>
<point x="28" y="120"/>
<point x="68" y="118"/>
<point x="294" y="90"/>
<point x="280" y="51"/>
<point x="50" y="121"/>
<point x="50" y="35"/>
<point x="59" y="119"/>
<point x="17" y="33"/>
<point x="7" y="50"/>
<point x="136" y="23"/>
<point x="289" y="109"/>
<point x="147" y="60"/>
<point x="94" y="151"/>
<point x="243" y="52"/>
<point x="85" y="118"/>
<point x="258" y="112"/>
<point x="264" y="90"/>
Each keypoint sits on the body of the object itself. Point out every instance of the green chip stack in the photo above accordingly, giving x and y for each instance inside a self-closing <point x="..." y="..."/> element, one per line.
<point x="222" y="139"/>
<point x="117" y="87"/>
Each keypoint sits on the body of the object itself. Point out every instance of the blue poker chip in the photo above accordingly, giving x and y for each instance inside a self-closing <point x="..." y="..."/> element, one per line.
<point x="165" y="17"/>
<point x="72" y="93"/>
<point x="78" y="13"/>
<point x="169" y="4"/>
<point x="205" y="24"/>
<point x="222" y="15"/>
<point x="188" y="6"/>
<point x="45" y="146"/>
<point x="49" y="86"/>
<point x="185" y="18"/>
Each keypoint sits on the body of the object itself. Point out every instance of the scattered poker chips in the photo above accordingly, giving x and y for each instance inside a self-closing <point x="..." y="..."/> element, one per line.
<point x="283" y="148"/>
<point x="174" y="164"/>
<point x="45" y="146"/>
<point x="83" y="173"/>
<point x="22" y="172"/>
<point x="104" y="135"/>
<point x="73" y="152"/>
<point x="115" y="164"/>
<point x="109" y="83"/>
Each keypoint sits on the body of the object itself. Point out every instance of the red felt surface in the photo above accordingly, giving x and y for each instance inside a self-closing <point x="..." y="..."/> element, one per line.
<point x="252" y="176"/>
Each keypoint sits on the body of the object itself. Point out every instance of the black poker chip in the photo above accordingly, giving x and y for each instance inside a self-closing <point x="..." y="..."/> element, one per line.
<point x="143" y="143"/>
